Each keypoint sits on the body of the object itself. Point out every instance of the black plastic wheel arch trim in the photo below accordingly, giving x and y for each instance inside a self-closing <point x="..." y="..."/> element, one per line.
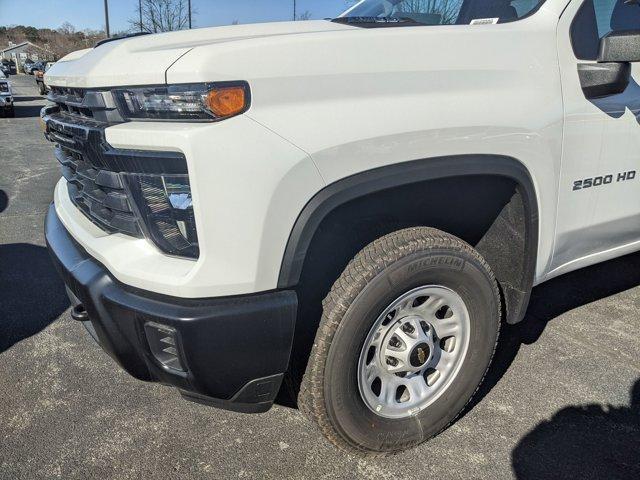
<point x="378" y="179"/>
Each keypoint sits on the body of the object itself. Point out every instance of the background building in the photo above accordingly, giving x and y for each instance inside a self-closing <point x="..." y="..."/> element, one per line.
<point x="21" y="51"/>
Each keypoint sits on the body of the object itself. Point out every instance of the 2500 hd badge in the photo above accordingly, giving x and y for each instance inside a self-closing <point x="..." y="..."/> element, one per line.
<point x="603" y="180"/>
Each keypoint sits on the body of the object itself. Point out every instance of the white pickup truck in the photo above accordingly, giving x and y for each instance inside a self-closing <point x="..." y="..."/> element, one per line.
<point x="339" y="214"/>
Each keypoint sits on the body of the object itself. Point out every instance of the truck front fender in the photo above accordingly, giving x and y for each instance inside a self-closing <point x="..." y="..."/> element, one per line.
<point x="516" y="282"/>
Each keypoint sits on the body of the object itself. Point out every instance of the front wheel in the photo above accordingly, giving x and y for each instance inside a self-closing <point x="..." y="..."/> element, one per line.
<point x="407" y="334"/>
<point x="10" y="111"/>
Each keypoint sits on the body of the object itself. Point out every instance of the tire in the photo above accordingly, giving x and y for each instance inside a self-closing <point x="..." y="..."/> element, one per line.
<point x="10" y="112"/>
<point x="385" y="270"/>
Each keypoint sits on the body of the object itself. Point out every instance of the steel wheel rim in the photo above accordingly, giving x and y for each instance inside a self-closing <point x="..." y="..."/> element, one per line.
<point x="413" y="351"/>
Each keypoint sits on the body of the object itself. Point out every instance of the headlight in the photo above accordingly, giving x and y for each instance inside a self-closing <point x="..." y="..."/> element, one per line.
<point x="165" y="207"/>
<point x="193" y="101"/>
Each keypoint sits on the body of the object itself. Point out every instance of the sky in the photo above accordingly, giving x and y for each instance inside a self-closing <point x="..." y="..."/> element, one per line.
<point x="90" y="13"/>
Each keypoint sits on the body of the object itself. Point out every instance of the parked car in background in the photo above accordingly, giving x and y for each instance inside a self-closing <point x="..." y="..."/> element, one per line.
<point x="6" y="96"/>
<point x="33" y="67"/>
<point x="42" y="86"/>
<point x="26" y="64"/>
<point x="10" y="66"/>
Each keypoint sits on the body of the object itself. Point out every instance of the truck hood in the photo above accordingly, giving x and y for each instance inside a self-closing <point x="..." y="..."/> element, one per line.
<point x="144" y="60"/>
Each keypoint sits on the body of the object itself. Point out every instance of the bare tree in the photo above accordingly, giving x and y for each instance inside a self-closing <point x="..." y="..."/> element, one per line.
<point x="50" y="44"/>
<point x="67" y="29"/>
<point x="306" y="15"/>
<point x="66" y="39"/>
<point x="161" y="16"/>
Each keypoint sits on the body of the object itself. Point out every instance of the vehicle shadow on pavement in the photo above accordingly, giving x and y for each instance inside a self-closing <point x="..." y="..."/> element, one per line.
<point x="24" y="111"/>
<point x="28" y="99"/>
<point x="31" y="294"/>
<point x="4" y="201"/>
<point x="552" y="299"/>
<point x="583" y="441"/>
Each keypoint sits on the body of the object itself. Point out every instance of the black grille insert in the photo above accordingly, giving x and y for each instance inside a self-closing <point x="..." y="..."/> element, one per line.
<point x="100" y="194"/>
<point x="85" y="104"/>
<point x="94" y="171"/>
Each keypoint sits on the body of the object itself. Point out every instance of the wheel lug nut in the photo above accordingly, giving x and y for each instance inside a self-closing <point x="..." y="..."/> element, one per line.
<point x="392" y="361"/>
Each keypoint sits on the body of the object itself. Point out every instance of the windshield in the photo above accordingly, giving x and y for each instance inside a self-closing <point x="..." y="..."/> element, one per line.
<point x="438" y="12"/>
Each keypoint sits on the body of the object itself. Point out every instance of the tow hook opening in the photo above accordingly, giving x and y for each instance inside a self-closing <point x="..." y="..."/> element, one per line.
<point x="79" y="313"/>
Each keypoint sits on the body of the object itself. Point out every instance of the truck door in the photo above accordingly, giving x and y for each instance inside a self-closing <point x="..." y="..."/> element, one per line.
<point x="599" y="191"/>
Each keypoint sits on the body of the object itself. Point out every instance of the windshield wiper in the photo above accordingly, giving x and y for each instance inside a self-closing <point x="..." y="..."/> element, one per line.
<point x="371" y="22"/>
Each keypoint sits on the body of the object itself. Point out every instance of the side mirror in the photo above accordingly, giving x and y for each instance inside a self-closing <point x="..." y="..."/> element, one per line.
<point x="612" y="73"/>
<point x="603" y="79"/>
<point x="621" y="46"/>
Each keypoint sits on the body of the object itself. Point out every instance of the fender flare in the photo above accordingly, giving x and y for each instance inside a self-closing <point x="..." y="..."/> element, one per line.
<point x="378" y="179"/>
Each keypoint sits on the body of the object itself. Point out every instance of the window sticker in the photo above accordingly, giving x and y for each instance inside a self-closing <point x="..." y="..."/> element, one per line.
<point x="484" y="21"/>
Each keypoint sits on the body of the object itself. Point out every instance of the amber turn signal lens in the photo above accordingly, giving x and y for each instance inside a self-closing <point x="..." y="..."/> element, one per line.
<point x="226" y="101"/>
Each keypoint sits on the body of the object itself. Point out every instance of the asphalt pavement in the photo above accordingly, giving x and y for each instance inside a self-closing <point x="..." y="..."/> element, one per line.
<point x="561" y="401"/>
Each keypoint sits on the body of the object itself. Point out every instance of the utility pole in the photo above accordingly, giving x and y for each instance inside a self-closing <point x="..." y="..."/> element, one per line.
<point x="140" y="9"/>
<point x="106" y="16"/>
<point x="189" y="1"/>
<point x="294" y="11"/>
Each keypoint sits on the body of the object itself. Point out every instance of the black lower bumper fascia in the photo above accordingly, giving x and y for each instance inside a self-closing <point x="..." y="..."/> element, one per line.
<point x="233" y="351"/>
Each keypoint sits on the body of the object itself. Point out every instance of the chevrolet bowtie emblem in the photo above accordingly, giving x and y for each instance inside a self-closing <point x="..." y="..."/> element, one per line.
<point x="422" y="356"/>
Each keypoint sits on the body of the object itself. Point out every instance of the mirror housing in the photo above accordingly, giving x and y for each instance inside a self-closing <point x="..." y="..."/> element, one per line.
<point x="612" y="73"/>
<point x="603" y="79"/>
<point x="620" y="46"/>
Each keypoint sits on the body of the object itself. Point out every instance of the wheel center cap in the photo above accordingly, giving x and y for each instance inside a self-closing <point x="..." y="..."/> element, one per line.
<point x="419" y="355"/>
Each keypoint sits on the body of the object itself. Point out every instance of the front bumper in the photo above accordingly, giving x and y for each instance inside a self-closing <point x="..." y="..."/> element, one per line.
<point x="235" y="350"/>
